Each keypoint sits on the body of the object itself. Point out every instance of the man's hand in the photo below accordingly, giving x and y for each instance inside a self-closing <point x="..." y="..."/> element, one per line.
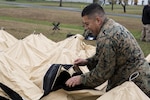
<point x="80" y="62"/>
<point x="73" y="81"/>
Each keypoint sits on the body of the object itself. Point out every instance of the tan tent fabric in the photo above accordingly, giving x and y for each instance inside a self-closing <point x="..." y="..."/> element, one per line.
<point x="6" y="40"/>
<point x="29" y="59"/>
<point x="40" y="42"/>
<point x="148" y="58"/>
<point x="3" y="45"/>
<point x="76" y="45"/>
<point x="126" y="91"/>
<point x="74" y="95"/>
<point x="14" y="76"/>
<point x="26" y="55"/>
<point x="23" y="64"/>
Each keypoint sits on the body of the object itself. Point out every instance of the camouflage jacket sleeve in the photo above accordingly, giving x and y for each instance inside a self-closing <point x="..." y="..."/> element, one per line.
<point x="105" y="57"/>
<point x="92" y="62"/>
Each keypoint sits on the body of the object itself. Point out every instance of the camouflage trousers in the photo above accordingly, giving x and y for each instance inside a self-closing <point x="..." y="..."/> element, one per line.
<point x="145" y="35"/>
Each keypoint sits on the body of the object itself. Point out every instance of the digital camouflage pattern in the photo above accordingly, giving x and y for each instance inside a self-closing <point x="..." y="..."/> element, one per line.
<point x="118" y="55"/>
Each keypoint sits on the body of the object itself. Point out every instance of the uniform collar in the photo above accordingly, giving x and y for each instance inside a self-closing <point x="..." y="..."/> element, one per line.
<point x="105" y="21"/>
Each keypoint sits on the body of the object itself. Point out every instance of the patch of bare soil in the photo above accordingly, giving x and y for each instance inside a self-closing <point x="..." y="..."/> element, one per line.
<point x="66" y="17"/>
<point x="129" y="23"/>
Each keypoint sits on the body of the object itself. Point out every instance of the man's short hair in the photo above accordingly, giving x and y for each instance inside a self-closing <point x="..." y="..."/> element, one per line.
<point x="92" y="9"/>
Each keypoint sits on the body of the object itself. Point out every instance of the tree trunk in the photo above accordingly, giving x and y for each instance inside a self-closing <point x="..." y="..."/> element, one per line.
<point x="124" y="9"/>
<point x="60" y="5"/>
<point x="112" y="4"/>
<point x="123" y="5"/>
<point x="95" y="1"/>
<point x="135" y="2"/>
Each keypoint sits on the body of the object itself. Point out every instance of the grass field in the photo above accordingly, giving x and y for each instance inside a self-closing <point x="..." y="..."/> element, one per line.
<point x="21" y="22"/>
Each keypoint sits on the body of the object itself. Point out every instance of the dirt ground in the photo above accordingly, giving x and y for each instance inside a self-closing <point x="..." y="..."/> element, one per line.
<point x="66" y="17"/>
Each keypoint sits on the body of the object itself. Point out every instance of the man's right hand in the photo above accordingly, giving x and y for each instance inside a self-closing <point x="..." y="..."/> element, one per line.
<point x="80" y="62"/>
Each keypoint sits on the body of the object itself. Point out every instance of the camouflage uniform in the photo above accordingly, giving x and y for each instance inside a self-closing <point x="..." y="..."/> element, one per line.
<point x="146" y="33"/>
<point x="117" y="56"/>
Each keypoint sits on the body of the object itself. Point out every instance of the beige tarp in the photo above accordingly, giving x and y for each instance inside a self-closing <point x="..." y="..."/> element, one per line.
<point x="148" y="58"/>
<point x="40" y="42"/>
<point x="6" y="40"/>
<point x="14" y="76"/>
<point x="74" y="95"/>
<point x="126" y="91"/>
<point x="23" y="64"/>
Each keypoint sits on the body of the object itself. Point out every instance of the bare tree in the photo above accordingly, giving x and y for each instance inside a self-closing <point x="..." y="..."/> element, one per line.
<point x="123" y="4"/>
<point x="112" y="4"/>
<point x="95" y="1"/>
<point x="135" y="2"/>
<point x="60" y="4"/>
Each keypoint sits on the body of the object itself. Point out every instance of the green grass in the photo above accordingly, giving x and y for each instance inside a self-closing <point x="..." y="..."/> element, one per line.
<point x="70" y="26"/>
<point x="145" y="46"/>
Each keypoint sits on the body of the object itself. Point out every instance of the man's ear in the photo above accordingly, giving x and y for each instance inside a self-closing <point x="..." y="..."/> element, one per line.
<point x="98" y="20"/>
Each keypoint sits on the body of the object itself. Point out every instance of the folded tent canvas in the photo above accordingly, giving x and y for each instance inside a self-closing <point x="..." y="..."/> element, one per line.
<point x="148" y="58"/>
<point x="23" y="64"/>
<point x="40" y="42"/>
<point x="16" y="78"/>
<point x="6" y="40"/>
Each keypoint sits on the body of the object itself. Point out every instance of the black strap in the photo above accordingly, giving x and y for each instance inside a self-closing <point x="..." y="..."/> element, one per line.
<point x="12" y="94"/>
<point x="3" y="98"/>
